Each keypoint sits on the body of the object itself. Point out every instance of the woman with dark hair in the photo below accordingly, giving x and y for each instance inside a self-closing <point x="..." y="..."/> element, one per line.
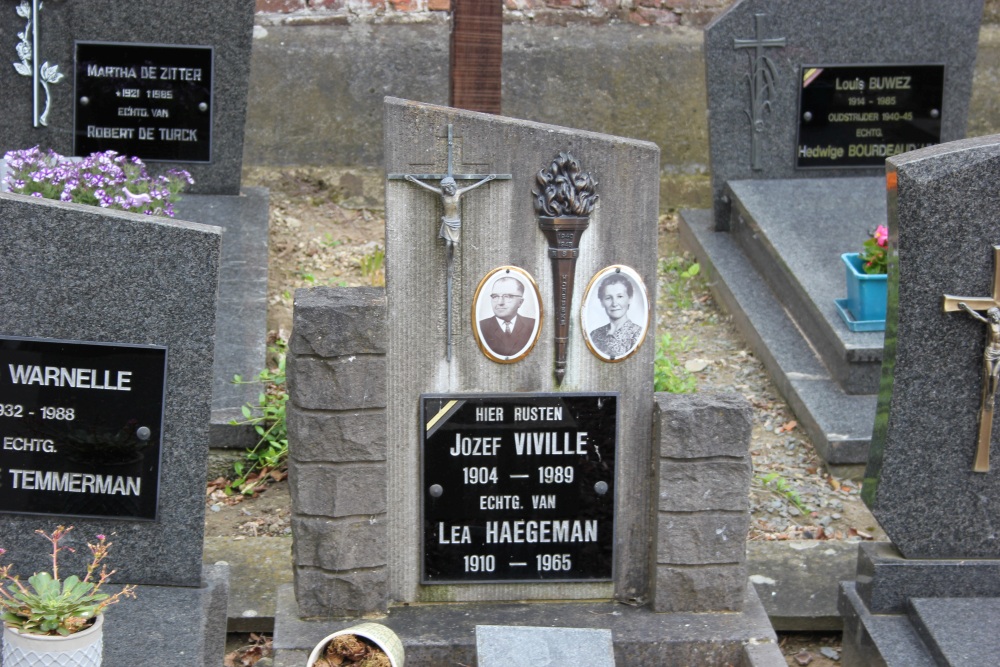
<point x="620" y="335"/>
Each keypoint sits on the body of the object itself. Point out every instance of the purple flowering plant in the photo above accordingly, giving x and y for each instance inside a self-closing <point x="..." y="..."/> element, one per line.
<point x="103" y="179"/>
<point x="48" y="605"/>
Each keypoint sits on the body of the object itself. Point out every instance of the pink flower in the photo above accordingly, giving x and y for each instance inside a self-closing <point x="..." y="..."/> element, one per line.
<point x="881" y="235"/>
<point x="100" y="537"/>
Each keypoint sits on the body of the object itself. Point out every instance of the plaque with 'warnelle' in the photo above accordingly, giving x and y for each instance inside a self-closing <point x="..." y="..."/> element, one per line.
<point x="518" y="487"/>
<point x="80" y="428"/>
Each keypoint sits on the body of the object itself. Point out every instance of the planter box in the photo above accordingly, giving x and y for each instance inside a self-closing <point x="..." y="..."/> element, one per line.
<point x="864" y="307"/>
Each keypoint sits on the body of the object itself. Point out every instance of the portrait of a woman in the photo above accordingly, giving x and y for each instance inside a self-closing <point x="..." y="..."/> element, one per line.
<point x="624" y="308"/>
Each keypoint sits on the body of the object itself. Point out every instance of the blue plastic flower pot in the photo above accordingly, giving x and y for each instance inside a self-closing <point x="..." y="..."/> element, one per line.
<point x="866" y="293"/>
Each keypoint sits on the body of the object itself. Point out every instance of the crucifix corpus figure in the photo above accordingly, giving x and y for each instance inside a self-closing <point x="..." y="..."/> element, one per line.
<point x="991" y="357"/>
<point x="451" y="218"/>
<point x="451" y="199"/>
<point x="991" y="374"/>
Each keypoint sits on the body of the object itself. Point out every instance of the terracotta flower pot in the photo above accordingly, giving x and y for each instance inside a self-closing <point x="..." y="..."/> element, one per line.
<point x="81" y="649"/>
<point x="376" y="633"/>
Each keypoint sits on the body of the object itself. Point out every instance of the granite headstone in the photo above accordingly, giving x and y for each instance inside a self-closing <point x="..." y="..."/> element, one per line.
<point x="82" y="274"/>
<point x="175" y="73"/>
<point x="926" y="481"/>
<point x="167" y="82"/>
<point x="806" y="100"/>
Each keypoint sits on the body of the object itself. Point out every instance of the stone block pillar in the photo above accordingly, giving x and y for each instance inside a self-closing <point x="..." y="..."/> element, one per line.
<point x="337" y="450"/>
<point x="702" y="514"/>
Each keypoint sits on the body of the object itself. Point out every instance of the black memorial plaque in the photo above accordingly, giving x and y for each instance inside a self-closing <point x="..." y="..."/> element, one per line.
<point x="80" y="428"/>
<point x="858" y="115"/>
<point x="150" y="101"/>
<point x="518" y="487"/>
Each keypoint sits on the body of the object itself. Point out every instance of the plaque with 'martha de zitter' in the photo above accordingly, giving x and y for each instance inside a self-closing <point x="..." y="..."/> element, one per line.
<point x="518" y="487"/>
<point x="150" y="101"/>
<point x="80" y="428"/>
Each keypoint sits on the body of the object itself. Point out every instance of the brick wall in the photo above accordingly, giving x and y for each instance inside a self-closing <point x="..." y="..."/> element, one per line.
<point x="702" y="516"/>
<point x="641" y="12"/>
<point x="337" y="450"/>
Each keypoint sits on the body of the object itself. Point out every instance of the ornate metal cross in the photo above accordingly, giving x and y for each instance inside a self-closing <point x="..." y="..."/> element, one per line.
<point x="27" y="50"/>
<point x="762" y="83"/>
<point x="991" y="357"/>
<point x="451" y="219"/>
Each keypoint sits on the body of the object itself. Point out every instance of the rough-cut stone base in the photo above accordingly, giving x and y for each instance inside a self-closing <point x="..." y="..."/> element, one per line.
<point x="170" y="625"/>
<point x="436" y="635"/>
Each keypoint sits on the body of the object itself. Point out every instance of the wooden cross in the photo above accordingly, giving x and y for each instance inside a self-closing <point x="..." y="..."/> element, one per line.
<point x="476" y="55"/>
<point x="991" y="360"/>
<point x="451" y="223"/>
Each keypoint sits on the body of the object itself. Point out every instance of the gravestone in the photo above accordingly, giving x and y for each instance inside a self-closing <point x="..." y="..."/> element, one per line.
<point x="806" y="100"/>
<point x="106" y="333"/>
<point x="534" y="483"/>
<point x="931" y="596"/>
<point x="167" y="82"/>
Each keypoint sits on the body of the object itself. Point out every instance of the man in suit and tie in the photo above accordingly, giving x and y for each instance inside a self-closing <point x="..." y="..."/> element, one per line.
<point x="506" y="333"/>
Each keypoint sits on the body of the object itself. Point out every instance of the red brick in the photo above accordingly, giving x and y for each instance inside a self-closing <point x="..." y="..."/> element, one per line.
<point x="439" y="5"/>
<point x="278" y="6"/>
<point x="403" y="5"/>
<point x="644" y="16"/>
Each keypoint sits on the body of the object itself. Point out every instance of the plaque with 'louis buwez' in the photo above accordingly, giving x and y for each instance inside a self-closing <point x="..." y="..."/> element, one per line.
<point x="80" y="428"/>
<point x="518" y="487"/>
<point x="858" y="115"/>
<point x="149" y="101"/>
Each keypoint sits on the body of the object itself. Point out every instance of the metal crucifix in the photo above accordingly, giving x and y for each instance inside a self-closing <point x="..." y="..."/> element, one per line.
<point x="451" y="218"/>
<point x="991" y="357"/>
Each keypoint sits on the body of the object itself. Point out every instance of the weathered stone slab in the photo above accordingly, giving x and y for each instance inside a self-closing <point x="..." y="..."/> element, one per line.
<point x="337" y="490"/>
<point x="500" y="227"/>
<point x="520" y="646"/>
<point x="700" y="426"/>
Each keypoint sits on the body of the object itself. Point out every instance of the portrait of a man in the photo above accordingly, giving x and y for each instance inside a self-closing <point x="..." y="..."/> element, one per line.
<point x="509" y="300"/>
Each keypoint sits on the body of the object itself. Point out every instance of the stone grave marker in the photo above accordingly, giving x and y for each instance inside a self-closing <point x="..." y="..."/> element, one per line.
<point x="433" y="462"/>
<point x="930" y="482"/>
<point x="167" y="82"/>
<point x="106" y="336"/>
<point x="518" y="646"/>
<point x="806" y="100"/>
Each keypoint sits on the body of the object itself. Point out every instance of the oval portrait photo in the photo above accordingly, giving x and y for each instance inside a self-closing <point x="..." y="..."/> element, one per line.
<point x="507" y="314"/>
<point x="615" y="313"/>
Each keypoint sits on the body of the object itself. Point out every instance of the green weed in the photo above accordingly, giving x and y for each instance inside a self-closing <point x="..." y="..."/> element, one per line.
<point x="775" y="482"/>
<point x="679" y="280"/>
<point x="373" y="266"/>
<point x="668" y="372"/>
<point x="268" y="420"/>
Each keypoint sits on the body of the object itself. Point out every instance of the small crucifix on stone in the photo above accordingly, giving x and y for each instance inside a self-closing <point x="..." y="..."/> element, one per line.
<point x="991" y="357"/>
<point x="451" y="218"/>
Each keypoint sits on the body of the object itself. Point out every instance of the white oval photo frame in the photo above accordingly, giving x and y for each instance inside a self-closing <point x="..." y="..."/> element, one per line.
<point x="595" y="320"/>
<point x="489" y="336"/>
